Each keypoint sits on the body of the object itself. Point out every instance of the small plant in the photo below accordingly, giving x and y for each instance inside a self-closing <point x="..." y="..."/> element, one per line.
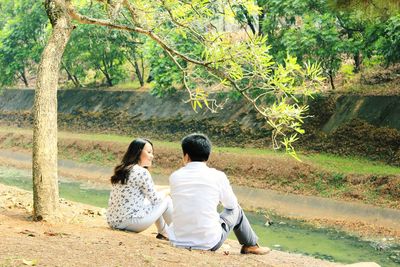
<point x="347" y="71"/>
<point x="337" y="180"/>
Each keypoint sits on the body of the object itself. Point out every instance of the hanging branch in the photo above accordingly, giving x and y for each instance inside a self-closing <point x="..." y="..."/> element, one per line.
<point x="241" y="63"/>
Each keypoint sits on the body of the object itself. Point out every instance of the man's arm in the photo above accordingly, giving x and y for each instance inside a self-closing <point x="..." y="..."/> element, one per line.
<point x="227" y="197"/>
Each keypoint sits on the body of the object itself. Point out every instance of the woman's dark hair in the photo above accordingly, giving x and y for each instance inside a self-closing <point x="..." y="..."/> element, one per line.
<point x="131" y="157"/>
<point x="197" y="146"/>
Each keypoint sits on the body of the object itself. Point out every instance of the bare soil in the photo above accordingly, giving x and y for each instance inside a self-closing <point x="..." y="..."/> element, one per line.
<point x="80" y="237"/>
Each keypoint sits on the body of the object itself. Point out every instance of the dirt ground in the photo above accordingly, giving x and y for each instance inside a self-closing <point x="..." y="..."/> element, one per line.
<point x="80" y="237"/>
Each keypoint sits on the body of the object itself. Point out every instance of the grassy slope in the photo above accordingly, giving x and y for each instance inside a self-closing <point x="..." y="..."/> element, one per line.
<point x="332" y="163"/>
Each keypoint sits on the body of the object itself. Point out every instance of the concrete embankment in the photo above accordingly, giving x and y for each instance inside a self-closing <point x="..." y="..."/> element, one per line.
<point x="345" y="125"/>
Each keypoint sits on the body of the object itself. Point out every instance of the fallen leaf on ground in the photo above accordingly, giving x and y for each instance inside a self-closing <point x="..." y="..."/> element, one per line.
<point x="33" y="262"/>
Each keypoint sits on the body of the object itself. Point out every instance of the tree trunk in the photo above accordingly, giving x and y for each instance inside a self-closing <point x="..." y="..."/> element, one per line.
<point x="330" y="74"/>
<point x="357" y="61"/>
<point x="23" y="78"/>
<point x="261" y="18"/>
<point x="248" y="19"/>
<point x="76" y="81"/>
<point x="107" y="76"/>
<point x="106" y="73"/>
<point x="139" y="74"/>
<point x="71" y="77"/>
<point x="44" y="165"/>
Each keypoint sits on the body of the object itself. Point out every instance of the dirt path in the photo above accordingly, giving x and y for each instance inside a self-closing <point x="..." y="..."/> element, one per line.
<point x="82" y="238"/>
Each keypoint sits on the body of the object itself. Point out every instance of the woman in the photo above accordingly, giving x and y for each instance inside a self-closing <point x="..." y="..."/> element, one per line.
<point x="134" y="203"/>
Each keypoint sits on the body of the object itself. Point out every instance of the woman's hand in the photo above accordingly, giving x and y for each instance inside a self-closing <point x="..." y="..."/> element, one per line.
<point x="164" y="192"/>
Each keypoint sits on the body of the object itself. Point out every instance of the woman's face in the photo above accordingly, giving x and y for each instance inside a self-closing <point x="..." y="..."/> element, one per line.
<point x="146" y="157"/>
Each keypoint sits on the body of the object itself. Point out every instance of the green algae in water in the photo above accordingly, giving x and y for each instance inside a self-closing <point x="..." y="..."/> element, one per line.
<point x="284" y="234"/>
<point x="323" y="243"/>
<point x="69" y="190"/>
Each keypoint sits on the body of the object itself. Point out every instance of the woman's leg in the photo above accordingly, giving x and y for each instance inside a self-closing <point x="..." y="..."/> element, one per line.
<point x="166" y="218"/>
<point x="156" y="216"/>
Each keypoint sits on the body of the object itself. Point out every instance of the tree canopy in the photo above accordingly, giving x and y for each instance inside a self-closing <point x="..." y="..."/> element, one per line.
<point x="22" y="37"/>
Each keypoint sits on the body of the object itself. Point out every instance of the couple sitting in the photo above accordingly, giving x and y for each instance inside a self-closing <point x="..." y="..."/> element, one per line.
<point x="190" y="219"/>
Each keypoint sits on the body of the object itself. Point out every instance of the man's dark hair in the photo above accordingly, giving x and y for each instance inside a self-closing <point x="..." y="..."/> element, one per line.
<point x="197" y="146"/>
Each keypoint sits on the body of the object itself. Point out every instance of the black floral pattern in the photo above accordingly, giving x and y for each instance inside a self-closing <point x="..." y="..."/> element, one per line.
<point x="135" y="199"/>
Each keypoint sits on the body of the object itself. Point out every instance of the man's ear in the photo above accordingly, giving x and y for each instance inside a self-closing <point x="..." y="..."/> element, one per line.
<point x="186" y="158"/>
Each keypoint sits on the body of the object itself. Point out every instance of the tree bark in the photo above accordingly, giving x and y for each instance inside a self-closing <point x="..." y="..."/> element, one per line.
<point x="139" y="74"/>
<point x="71" y="77"/>
<point x="357" y="61"/>
<point x="106" y="72"/>
<point x="330" y="74"/>
<point x="44" y="162"/>
<point x="23" y="77"/>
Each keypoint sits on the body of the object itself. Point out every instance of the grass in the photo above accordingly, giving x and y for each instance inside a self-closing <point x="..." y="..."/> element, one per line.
<point x="332" y="163"/>
<point x="350" y="165"/>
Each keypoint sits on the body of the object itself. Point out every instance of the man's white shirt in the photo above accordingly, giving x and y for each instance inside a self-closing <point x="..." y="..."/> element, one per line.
<point x="196" y="191"/>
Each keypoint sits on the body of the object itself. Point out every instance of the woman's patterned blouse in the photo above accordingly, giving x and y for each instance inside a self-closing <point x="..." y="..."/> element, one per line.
<point x="135" y="199"/>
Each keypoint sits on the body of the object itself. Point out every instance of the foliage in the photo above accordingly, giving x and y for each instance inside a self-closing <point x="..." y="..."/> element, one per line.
<point x="96" y="48"/>
<point x="370" y="8"/>
<point x="192" y="36"/>
<point x="165" y="75"/>
<point x="22" y="35"/>
<point x="204" y="54"/>
<point x="390" y="47"/>
<point x="103" y="53"/>
<point x="317" y="39"/>
<point x="328" y="31"/>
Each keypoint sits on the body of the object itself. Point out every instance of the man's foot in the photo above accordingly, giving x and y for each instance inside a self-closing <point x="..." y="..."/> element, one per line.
<point x="161" y="237"/>
<point x="254" y="250"/>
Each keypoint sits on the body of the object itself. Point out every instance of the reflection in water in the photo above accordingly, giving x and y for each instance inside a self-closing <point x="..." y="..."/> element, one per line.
<point x="282" y="234"/>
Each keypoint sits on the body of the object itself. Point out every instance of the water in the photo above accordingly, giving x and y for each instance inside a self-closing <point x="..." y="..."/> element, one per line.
<point x="324" y="243"/>
<point x="283" y="234"/>
<point x="71" y="190"/>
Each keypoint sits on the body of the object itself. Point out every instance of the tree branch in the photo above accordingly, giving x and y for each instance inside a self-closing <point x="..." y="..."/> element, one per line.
<point x="87" y="20"/>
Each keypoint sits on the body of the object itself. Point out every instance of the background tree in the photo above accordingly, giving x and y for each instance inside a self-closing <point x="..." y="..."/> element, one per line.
<point x="389" y="43"/>
<point x="134" y="53"/>
<point x="73" y="60"/>
<point x="22" y="37"/>
<point x="103" y="52"/>
<point x="327" y="31"/>
<point x="317" y="39"/>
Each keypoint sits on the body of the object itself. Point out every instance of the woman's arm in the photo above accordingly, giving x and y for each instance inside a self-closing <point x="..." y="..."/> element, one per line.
<point x="148" y="188"/>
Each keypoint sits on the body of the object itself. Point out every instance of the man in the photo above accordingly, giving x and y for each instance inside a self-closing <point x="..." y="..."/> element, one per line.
<point x="196" y="191"/>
